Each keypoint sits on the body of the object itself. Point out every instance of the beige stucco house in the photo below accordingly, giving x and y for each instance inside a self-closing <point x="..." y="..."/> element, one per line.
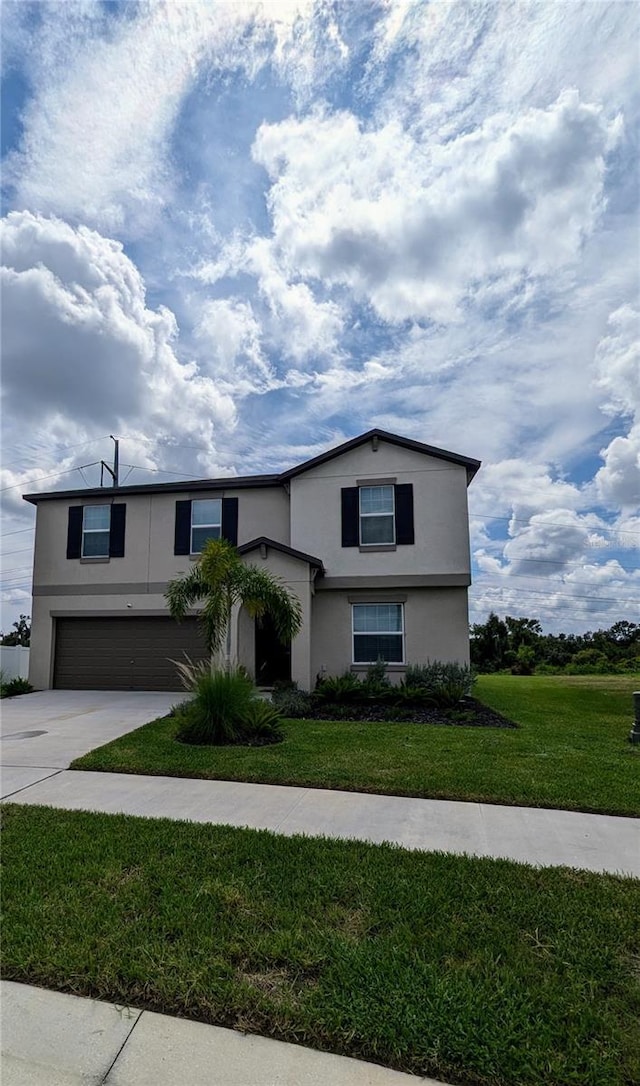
<point x="372" y="536"/>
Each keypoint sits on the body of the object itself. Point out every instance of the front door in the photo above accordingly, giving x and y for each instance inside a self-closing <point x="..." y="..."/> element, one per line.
<point x="273" y="659"/>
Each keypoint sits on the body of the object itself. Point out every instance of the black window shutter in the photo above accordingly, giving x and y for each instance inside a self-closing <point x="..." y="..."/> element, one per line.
<point x="350" y="517"/>
<point x="74" y="532"/>
<point x="404" y="513"/>
<point x="230" y="520"/>
<point x="116" y="530"/>
<point x="182" y="543"/>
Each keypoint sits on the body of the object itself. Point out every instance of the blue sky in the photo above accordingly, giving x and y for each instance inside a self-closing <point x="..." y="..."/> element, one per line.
<point x="237" y="234"/>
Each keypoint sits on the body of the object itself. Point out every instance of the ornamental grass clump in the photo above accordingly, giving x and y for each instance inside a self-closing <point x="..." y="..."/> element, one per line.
<point x="225" y="708"/>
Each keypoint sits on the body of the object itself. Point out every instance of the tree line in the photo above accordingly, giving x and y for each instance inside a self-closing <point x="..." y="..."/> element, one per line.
<point x="518" y="645"/>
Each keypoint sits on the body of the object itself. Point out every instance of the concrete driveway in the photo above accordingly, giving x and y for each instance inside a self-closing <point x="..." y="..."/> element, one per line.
<point x="42" y="733"/>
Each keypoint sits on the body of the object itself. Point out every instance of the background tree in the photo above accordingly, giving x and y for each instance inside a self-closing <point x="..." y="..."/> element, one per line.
<point x="219" y="580"/>
<point x="21" y="633"/>
<point x="520" y="645"/>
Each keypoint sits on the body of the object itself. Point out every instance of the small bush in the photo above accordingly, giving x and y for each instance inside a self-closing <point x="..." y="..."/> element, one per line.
<point x="289" y="701"/>
<point x="261" y="724"/>
<point x="340" y="688"/>
<point x="445" y="683"/>
<point x="15" y="686"/>
<point x="548" y="669"/>
<point x="376" y="680"/>
<point x="220" y="702"/>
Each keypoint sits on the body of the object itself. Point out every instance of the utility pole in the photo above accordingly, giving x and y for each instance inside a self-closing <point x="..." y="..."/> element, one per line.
<point x="113" y="471"/>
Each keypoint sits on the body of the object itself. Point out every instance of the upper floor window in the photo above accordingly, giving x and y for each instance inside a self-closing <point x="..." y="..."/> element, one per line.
<point x="206" y="522"/>
<point x="377" y="515"/>
<point x="96" y="531"/>
<point x="200" y="519"/>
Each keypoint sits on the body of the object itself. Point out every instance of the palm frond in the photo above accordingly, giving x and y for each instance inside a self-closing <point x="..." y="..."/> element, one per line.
<point x="185" y="591"/>
<point x="263" y="594"/>
<point x="219" y="579"/>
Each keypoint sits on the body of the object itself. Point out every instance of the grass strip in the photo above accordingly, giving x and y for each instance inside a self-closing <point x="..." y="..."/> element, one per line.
<point x="476" y="971"/>
<point x="570" y="751"/>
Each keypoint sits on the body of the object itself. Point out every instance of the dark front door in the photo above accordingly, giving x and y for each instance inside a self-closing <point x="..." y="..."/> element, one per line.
<point x="273" y="659"/>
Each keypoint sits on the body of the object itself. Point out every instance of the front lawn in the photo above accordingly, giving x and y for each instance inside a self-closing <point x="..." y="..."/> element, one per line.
<point x="570" y="751"/>
<point x="476" y="971"/>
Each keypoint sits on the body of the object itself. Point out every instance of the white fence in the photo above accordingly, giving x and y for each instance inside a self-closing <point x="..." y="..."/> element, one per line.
<point x="14" y="662"/>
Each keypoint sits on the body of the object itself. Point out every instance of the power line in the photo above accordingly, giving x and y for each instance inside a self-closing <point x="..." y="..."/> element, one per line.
<point x="168" y="471"/>
<point x="554" y="524"/>
<point x="53" y="475"/>
<point x="541" y="577"/>
<point x="65" y="448"/>
<point x="19" y="531"/>
<point x="549" y="561"/>
<point x="563" y="595"/>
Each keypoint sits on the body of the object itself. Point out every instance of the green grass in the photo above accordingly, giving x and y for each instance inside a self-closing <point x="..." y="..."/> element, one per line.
<point x="571" y="751"/>
<point x="477" y="971"/>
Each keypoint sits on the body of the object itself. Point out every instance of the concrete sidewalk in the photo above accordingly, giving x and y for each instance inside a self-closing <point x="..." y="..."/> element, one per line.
<point x="527" y="834"/>
<point x="52" y="1039"/>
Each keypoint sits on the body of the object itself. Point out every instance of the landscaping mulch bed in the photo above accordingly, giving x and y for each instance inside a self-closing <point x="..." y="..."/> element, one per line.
<point x="470" y="713"/>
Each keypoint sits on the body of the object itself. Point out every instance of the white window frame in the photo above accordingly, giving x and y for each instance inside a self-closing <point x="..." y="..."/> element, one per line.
<point x="212" y="524"/>
<point x="384" y="633"/>
<point x="95" y="531"/>
<point x="364" y="516"/>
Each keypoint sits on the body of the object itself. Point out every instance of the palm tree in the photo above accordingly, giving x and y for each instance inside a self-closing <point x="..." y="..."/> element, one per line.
<point x="221" y="579"/>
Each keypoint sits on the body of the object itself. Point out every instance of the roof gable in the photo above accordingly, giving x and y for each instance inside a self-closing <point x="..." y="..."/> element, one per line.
<point x="264" y="541"/>
<point x="392" y="439"/>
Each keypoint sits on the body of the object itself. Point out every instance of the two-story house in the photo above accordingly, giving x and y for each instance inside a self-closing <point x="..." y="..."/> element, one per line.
<point x="372" y="536"/>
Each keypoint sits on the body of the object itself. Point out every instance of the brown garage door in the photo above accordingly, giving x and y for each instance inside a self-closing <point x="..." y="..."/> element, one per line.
<point x="123" y="653"/>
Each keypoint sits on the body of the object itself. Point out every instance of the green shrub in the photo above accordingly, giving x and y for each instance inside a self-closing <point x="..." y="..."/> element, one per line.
<point x="340" y="688"/>
<point x="220" y="702"/>
<point x="419" y="696"/>
<point x="15" y="686"/>
<point x="376" y="680"/>
<point x="289" y="701"/>
<point x="444" y="683"/>
<point x="261" y="723"/>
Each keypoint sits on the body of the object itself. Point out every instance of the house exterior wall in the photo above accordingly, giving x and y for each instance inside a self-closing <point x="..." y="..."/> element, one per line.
<point x="429" y="576"/>
<point x="148" y="557"/>
<point x="439" y="503"/>
<point x="435" y="619"/>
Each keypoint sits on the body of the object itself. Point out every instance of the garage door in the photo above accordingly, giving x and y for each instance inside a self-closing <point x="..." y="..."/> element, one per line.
<point x="123" y="653"/>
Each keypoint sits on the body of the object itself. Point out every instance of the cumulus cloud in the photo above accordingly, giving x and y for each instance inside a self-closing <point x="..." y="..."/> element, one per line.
<point x="411" y="226"/>
<point x="617" y="373"/>
<point x="231" y="337"/>
<point x="84" y="353"/>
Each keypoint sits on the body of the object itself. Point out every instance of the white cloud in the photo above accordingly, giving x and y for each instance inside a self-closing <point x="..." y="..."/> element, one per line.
<point x="108" y="93"/>
<point x="617" y="368"/>
<point x="231" y="337"/>
<point x="412" y="226"/>
<point x="83" y="354"/>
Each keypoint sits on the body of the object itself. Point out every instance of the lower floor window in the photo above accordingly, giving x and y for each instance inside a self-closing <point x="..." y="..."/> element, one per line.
<point x="378" y="633"/>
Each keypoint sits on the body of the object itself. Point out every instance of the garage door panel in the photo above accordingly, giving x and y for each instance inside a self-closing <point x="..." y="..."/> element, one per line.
<point x="123" y="653"/>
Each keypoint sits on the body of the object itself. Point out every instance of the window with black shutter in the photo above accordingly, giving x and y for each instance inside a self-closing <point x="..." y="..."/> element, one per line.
<point x="96" y="531"/>
<point x="380" y="515"/>
<point x="199" y="520"/>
